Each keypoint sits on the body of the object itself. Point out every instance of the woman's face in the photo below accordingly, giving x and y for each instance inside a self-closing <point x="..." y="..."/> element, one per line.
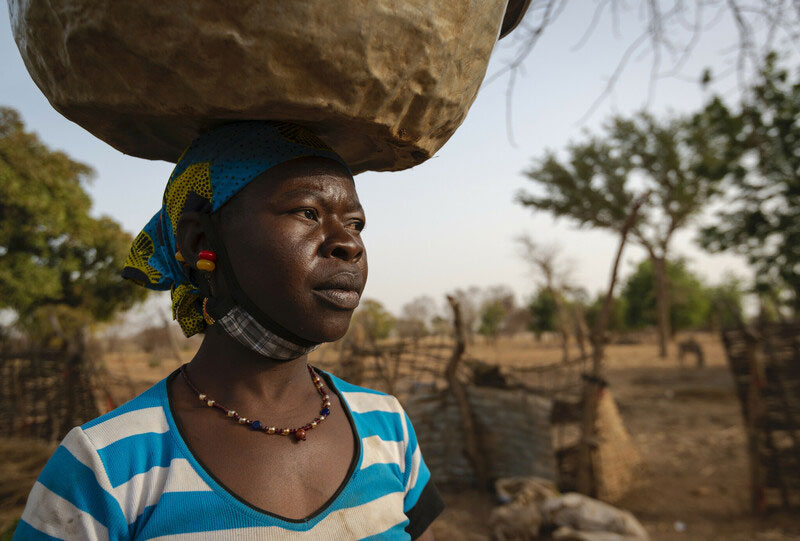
<point x="293" y="236"/>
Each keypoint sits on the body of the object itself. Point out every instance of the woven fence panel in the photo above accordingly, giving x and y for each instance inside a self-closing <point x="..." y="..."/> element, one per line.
<point x="44" y="394"/>
<point x="514" y="426"/>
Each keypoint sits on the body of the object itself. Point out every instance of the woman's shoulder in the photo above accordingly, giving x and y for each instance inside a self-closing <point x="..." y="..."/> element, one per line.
<point x="363" y="399"/>
<point x="143" y="414"/>
<point x="126" y="442"/>
<point x="379" y="417"/>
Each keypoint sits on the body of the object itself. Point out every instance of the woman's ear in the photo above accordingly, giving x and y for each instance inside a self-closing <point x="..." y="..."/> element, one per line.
<point x="191" y="237"/>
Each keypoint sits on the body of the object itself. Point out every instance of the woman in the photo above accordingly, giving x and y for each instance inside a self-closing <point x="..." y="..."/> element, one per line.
<point x="259" y="240"/>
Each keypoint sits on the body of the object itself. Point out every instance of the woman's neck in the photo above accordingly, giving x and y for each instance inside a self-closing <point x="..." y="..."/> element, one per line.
<point x="239" y="377"/>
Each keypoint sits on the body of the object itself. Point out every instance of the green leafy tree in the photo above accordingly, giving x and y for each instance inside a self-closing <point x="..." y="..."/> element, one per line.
<point x="690" y="299"/>
<point x="675" y="165"/>
<point x="761" y="218"/>
<point x="492" y="314"/>
<point x="377" y="323"/>
<point x="543" y="312"/>
<point x="616" y="318"/>
<point x="59" y="266"/>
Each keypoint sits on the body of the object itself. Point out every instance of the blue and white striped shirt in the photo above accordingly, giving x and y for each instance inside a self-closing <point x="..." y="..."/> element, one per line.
<point x="130" y="475"/>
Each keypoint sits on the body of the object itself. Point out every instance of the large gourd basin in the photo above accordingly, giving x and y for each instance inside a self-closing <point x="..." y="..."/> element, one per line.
<point x="383" y="82"/>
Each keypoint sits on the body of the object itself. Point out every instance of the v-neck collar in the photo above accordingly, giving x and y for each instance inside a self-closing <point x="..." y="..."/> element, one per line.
<point x="229" y="495"/>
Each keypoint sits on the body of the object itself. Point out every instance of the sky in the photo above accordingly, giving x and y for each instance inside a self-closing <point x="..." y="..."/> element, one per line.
<point x="451" y="222"/>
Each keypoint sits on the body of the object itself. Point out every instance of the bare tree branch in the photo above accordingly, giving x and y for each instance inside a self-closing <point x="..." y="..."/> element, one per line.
<point x="667" y="32"/>
<point x="598" y="12"/>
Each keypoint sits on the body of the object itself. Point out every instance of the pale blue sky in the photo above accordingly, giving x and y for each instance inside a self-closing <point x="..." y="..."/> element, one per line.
<point x="451" y="221"/>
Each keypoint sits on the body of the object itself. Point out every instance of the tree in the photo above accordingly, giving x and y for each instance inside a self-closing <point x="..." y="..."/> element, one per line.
<point x="546" y="263"/>
<point x="543" y="312"/>
<point x="673" y="166"/>
<point x="761" y="215"/>
<point x="726" y="300"/>
<point x="416" y="318"/>
<point x="492" y="315"/>
<point x="59" y="266"/>
<point x="468" y="301"/>
<point x="516" y="321"/>
<point x="377" y="323"/>
<point x="616" y="317"/>
<point x="690" y="298"/>
<point x="441" y="326"/>
<point x="668" y="32"/>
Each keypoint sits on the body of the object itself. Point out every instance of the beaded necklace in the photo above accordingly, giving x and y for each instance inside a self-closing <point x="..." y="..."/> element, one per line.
<point x="299" y="433"/>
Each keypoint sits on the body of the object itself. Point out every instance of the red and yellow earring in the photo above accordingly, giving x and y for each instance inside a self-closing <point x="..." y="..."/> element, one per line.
<point x="206" y="261"/>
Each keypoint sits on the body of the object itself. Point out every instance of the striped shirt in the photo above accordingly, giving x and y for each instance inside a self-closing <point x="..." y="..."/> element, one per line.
<point x="129" y="474"/>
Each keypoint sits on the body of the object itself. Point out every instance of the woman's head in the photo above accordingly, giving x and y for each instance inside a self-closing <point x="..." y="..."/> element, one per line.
<point x="281" y="211"/>
<point x="293" y="239"/>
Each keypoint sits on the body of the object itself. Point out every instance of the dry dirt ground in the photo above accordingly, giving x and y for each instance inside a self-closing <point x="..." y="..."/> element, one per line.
<point x="685" y="422"/>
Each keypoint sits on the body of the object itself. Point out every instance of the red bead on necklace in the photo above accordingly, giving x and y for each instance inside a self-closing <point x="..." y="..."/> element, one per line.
<point x="299" y="433"/>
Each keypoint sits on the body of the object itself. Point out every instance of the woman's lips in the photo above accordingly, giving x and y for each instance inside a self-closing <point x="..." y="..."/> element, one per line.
<point x="341" y="298"/>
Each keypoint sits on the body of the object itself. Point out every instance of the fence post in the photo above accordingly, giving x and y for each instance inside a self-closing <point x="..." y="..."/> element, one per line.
<point x="754" y="410"/>
<point x="471" y="436"/>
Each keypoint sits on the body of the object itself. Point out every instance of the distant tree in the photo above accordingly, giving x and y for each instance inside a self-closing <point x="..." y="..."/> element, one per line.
<point x="726" y="303"/>
<point x="552" y="271"/>
<point x="516" y="318"/>
<point x="674" y="166"/>
<point x="377" y="323"/>
<point x="690" y="299"/>
<point x="761" y="217"/>
<point x="492" y="314"/>
<point x="469" y="302"/>
<point x="416" y="318"/>
<point x="59" y="266"/>
<point x="616" y="318"/>
<point x="415" y="329"/>
<point x="501" y="293"/>
<point x="543" y="312"/>
<point x="441" y="326"/>
<point x="516" y="321"/>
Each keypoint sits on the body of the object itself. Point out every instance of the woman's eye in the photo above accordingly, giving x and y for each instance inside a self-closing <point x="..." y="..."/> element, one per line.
<point x="358" y="225"/>
<point x="309" y="214"/>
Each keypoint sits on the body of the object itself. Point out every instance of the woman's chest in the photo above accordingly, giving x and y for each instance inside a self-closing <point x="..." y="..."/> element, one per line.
<point x="277" y="474"/>
<point x="261" y="491"/>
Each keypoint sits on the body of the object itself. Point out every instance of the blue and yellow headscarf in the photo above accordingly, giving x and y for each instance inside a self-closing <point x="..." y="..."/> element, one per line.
<point x="211" y="170"/>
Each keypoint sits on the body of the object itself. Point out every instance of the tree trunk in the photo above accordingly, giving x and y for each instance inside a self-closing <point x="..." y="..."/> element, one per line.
<point x="662" y="303"/>
<point x="472" y="442"/>
<point x="581" y="330"/>
<point x="594" y="382"/>
<point x="563" y="323"/>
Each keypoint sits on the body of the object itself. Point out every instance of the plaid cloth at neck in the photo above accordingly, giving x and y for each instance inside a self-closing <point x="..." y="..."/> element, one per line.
<point x="250" y="333"/>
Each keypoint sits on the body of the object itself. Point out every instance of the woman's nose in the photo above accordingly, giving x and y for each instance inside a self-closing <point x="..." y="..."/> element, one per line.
<point x="342" y="243"/>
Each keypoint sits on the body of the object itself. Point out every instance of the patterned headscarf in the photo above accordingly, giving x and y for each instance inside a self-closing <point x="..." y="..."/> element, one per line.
<point x="211" y="170"/>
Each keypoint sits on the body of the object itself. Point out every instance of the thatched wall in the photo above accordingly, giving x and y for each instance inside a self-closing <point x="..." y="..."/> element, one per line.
<point x="514" y="429"/>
